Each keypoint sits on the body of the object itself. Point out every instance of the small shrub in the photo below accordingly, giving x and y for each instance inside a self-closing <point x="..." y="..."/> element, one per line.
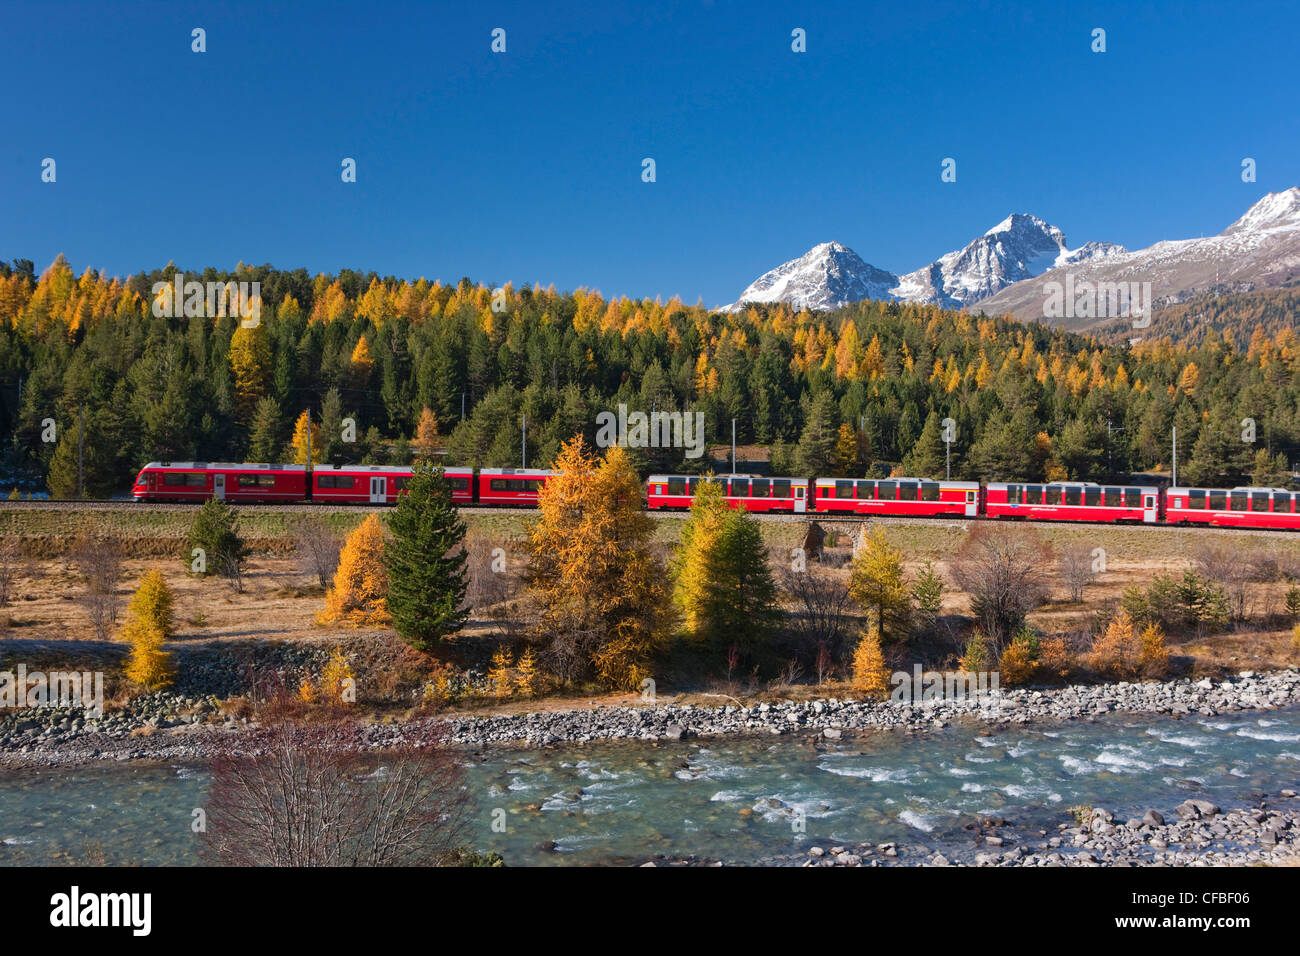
<point x="1054" y="658"/>
<point x="975" y="659"/>
<point x="1153" y="654"/>
<point x="1017" y="665"/>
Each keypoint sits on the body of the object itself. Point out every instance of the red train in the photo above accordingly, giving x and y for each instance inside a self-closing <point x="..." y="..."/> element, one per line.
<point x="197" y="481"/>
<point x="1051" y="501"/>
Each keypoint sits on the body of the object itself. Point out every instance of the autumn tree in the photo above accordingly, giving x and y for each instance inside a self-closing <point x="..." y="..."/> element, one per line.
<point x="427" y="440"/>
<point x="425" y="560"/>
<point x="592" y="570"/>
<point x="148" y="626"/>
<point x="250" y="363"/>
<point x="307" y="432"/>
<point x="358" y="597"/>
<point x="878" y="584"/>
<point x="870" y="674"/>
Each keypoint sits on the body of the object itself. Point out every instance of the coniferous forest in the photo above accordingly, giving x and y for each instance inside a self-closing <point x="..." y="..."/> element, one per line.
<point x="860" y="390"/>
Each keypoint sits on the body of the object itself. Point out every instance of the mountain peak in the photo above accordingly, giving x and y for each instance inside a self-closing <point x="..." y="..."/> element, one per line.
<point x="1280" y="210"/>
<point x="827" y="276"/>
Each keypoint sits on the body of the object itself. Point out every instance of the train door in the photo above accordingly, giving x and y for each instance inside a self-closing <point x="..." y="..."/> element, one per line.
<point x="800" y="499"/>
<point x="1149" y="508"/>
<point x="972" y="506"/>
<point x="378" y="490"/>
<point x="219" y="487"/>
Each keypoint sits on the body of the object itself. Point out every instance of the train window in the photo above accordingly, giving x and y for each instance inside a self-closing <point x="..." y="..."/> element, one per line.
<point x="1259" y="501"/>
<point x="460" y="483"/>
<point x="1111" y="497"/>
<point x="886" y="490"/>
<point x="1033" y="494"/>
<point x="780" y="487"/>
<point x="1092" y="496"/>
<point x="1133" y="497"/>
<point x="1013" y="494"/>
<point x="172" y="479"/>
<point x="1282" y="501"/>
<point x="843" y="489"/>
<point x="740" y="487"/>
<point x="1237" y="500"/>
<point x="1218" y="500"/>
<point x="400" y="484"/>
<point x="676" y="486"/>
<point x="336" y="481"/>
<point x="1073" y="495"/>
<point x="929" y="491"/>
<point x="1196" y="498"/>
<point x="257" y="481"/>
<point x="907" y="491"/>
<point x="1052" y="495"/>
<point x="497" y="484"/>
<point x="691" y="485"/>
<point x="758" y="487"/>
<point x="867" y="490"/>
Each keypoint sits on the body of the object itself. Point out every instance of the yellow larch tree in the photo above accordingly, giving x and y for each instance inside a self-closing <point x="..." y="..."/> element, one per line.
<point x="300" y="433"/>
<point x="870" y="674"/>
<point x="148" y="626"/>
<point x="359" y="595"/>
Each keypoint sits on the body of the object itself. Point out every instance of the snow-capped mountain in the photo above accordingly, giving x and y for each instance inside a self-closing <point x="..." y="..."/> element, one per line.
<point x="1259" y="250"/>
<point x="1019" y="247"/>
<point x="831" y="275"/>
<point x="825" y="277"/>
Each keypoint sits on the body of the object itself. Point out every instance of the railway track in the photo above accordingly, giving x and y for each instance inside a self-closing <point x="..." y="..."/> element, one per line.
<point x="829" y="518"/>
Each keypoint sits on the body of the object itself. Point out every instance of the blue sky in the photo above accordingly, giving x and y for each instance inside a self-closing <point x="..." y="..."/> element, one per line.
<point x="526" y="166"/>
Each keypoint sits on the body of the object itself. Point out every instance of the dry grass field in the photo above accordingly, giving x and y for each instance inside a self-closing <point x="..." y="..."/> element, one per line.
<point x="281" y="597"/>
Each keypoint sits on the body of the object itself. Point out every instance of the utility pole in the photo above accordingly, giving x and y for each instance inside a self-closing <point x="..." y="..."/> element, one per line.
<point x="1175" y="475"/>
<point x="733" y="446"/>
<point x="81" y="445"/>
<point x="1110" y="468"/>
<point x="308" y="438"/>
<point x="523" y="433"/>
<point x="462" y="406"/>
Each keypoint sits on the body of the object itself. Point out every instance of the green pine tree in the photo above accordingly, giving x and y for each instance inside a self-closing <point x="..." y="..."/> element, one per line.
<point x="216" y="532"/>
<point x="425" y="560"/>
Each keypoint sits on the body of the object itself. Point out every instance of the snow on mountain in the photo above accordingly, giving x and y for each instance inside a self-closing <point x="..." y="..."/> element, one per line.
<point x="1260" y="249"/>
<point x="825" y="277"/>
<point x="1006" y="269"/>
<point x="1019" y="247"/>
<point x="830" y="275"/>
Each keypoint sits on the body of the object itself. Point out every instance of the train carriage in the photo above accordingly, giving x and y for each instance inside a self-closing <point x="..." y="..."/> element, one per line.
<point x="897" y="496"/>
<point x="1073" y="501"/>
<point x="511" y="486"/>
<point x="756" y="493"/>
<point x="197" y="481"/>
<point x="1241" y="507"/>
<point x="379" y="484"/>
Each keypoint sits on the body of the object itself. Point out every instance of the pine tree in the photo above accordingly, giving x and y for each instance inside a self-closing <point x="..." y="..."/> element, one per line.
<point x="722" y="581"/>
<point x="358" y="596"/>
<point x="877" y="583"/>
<point x="215" y="531"/>
<point x="927" y="458"/>
<point x="148" y="626"/>
<point x="264" y="439"/>
<point x="870" y="675"/>
<point x="816" y="454"/>
<point x="425" y="559"/>
<point x="250" y="364"/>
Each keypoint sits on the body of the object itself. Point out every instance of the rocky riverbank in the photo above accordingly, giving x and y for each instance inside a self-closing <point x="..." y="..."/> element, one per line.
<point x="177" y="727"/>
<point x="1199" y="834"/>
